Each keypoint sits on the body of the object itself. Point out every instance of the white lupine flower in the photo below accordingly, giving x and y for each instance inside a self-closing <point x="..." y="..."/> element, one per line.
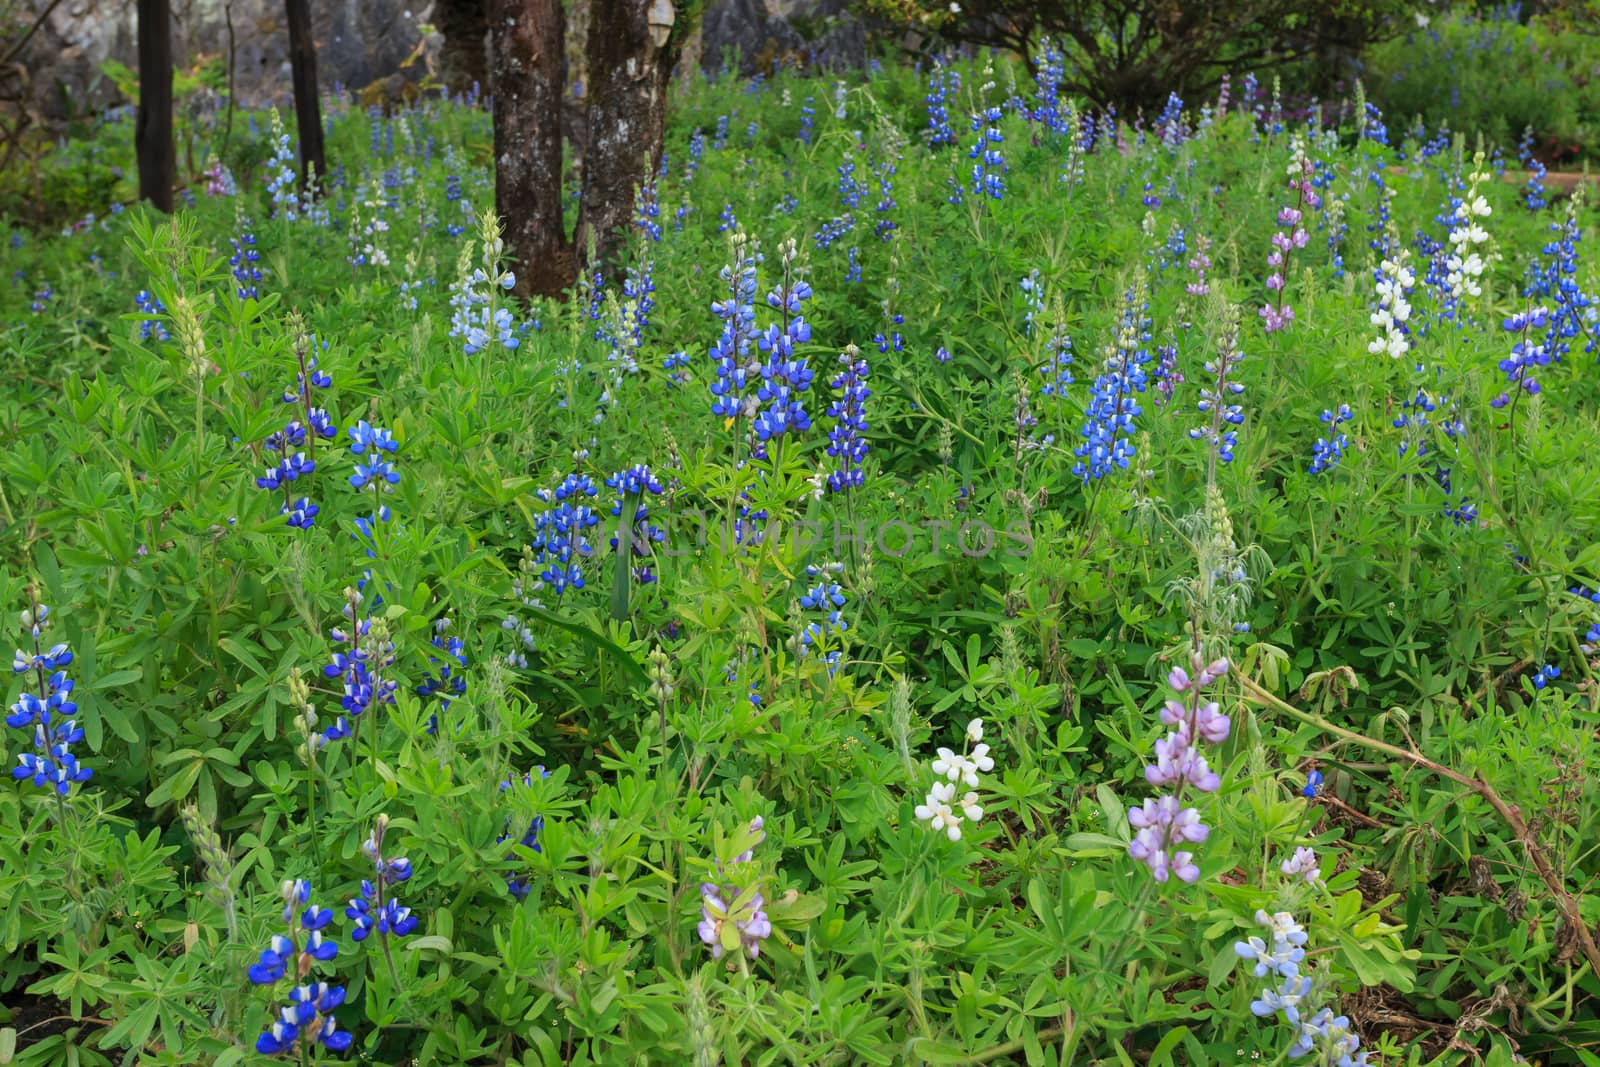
<point x="937" y="813"/>
<point x="1393" y="309"/>
<point x="980" y="761"/>
<point x="1465" y="265"/>
<point x="941" y="809"/>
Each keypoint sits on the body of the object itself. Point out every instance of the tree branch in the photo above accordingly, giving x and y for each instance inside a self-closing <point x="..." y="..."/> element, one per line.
<point x="26" y="37"/>
<point x="1507" y="812"/>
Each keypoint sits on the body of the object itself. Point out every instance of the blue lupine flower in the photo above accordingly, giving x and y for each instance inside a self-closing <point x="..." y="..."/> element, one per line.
<point x="825" y="597"/>
<point x="846" y="440"/>
<point x="832" y="230"/>
<point x="697" y="151"/>
<point x="378" y="472"/>
<point x="1286" y="998"/>
<point x="1373" y="128"/>
<point x="448" y="682"/>
<point x="1545" y="675"/>
<point x="647" y="210"/>
<point x="1108" y="428"/>
<point x="633" y="484"/>
<point x="1526" y="355"/>
<point x="850" y="190"/>
<point x="990" y="167"/>
<point x="299" y="947"/>
<point x="282" y="184"/>
<point x="676" y="362"/>
<point x="1313" y="784"/>
<point x="729" y="354"/>
<point x="475" y="320"/>
<point x="386" y="917"/>
<point x="517" y="884"/>
<point x="1170" y="124"/>
<point x="639" y="287"/>
<point x="560" y="541"/>
<point x="1533" y="193"/>
<point x="364" y="437"/>
<point x="372" y="442"/>
<point x="784" y="378"/>
<point x="1554" y="278"/>
<point x="1284" y="956"/>
<point x="1051" y="74"/>
<point x="359" y="667"/>
<point x="302" y="513"/>
<point x="151" y="327"/>
<point x="807" y="120"/>
<point x="309" y="1010"/>
<point x="274" y="961"/>
<point x="374" y="909"/>
<point x="288" y="469"/>
<point x="1033" y="297"/>
<point x="245" y="262"/>
<point x="1328" y="451"/>
<point x="312" y="377"/>
<point x="890" y="339"/>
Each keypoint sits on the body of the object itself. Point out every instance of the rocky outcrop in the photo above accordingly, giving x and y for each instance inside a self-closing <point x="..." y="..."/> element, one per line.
<point x="358" y="42"/>
<point x="763" y="33"/>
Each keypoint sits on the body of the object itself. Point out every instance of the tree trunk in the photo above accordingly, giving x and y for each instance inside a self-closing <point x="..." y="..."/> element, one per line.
<point x="527" y="79"/>
<point x="152" y="135"/>
<point x="307" y="105"/>
<point x="463" y="61"/>
<point x="627" y="96"/>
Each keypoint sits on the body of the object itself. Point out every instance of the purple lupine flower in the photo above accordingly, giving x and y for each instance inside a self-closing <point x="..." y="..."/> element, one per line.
<point x="1163" y="824"/>
<point x="1277" y="314"/>
<point x="731" y="918"/>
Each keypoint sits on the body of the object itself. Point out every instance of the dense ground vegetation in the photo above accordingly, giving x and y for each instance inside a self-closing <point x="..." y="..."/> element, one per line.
<point x="1028" y="589"/>
<point x="1534" y="84"/>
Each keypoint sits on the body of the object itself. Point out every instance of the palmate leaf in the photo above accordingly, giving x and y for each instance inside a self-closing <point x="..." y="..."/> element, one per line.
<point x="593" y="639"/>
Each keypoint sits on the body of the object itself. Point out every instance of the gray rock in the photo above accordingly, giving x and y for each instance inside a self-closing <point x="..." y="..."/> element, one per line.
<point x="822" y="33"/>
<point x="358" y="43"/>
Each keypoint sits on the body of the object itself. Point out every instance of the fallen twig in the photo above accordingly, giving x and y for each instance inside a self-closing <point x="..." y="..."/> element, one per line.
<point x="1507" y="812"/>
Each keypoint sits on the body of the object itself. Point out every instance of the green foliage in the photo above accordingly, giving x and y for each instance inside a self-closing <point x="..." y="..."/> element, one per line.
<point x="200" y="620"/>
<point x="1132" y="55"/>
<point x="1494" y="77"/>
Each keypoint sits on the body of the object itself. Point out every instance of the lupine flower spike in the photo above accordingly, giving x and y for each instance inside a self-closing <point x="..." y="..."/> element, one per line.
<point x="517" y="883"/>
<point x="292" y="955"/>
<point x="1292" y="995"/>
<point x="732" y="918"/>
<point x="1276" y="314"/>
<point x="1164" y="825"/>
<point x="46" y="711"/>
<point x="943" y="810"/>
<point x="377" y="909"/>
